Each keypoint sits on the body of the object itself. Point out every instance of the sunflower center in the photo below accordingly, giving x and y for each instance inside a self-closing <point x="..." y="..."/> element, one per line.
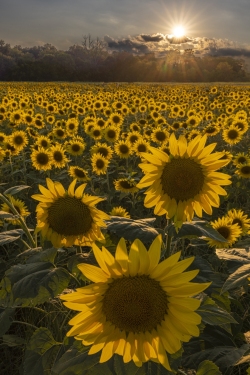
<point x="100" y="164"/>
<point x="18" y="140"/>
<point x="160" y="136"/>
<point x="224" y="231"/>
<point x="126" y="185"/>
<point x="42" y="158"/>
<point x="232" y="134"/>
<point x="242" y="160"/>
<point x="182" y="179"/>
<point x="79" y="173"/>
<point x="245" y="169"/>
<point x="69" y="216"/>
<point x="58" y="156"/>
<point x="123" y="149"/>
<point x="142" y="148"/>
<point x="75" y="147"/>
<point x="237" y="221"/>
<point x="135" y="304"/>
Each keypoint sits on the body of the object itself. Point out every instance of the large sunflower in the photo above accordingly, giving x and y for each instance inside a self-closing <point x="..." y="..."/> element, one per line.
<point x="136" y="308"/>
<point x="68" y="217"/>
<point x="184" y="182"/>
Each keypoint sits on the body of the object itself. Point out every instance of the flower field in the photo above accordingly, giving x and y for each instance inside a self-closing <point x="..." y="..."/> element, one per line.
<point x="124" y="229"/>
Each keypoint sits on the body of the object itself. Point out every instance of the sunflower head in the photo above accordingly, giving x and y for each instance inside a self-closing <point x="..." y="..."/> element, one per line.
<point x="68" y="217"/>
<point x="184" y="182"/>
<point x="136" y="302"/>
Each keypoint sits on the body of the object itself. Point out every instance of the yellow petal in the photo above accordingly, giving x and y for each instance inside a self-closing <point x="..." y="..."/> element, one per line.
<point x="121" y="255"/>
<point x="79" y="191"/>
<point x="154" y="253"/>
<point x="93" y="273"/>
<point x="133" y="259"/>
<point x="71" y="189"/>
<point x="162" y="269"/>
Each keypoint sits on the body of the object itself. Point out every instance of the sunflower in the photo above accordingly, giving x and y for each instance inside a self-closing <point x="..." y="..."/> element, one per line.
<point x="184" y="182"/>
<point x="141" y="146"/>
<point x="111" y="133"/>
<point x="232" y="135"/>
<point x="116" y="119"/>
<point x="20" y="207"/>
<point x="160" y="135"/>
<point x="59" y="132"/>
<point x="76" y="146"/>
<point x="126" y="185"/>
<point x="79" y="173"/>
<point x="99" y="163"/>
<point x="58" y="157"/>
<point x="241" y="158"/>
<point x="238" y="217"/>
<point x="119" y="211"/>
<point x="231" y="232"/>
<point x="72" y="125"/>
<point x="123" y="149"/>
<point x="70" y="217"/>
<point x="43" y="141"/>
<point x="137" y="307"/>
<point x="41" y="159"/>
<point x="243" y="170"/>
<point x="103" y="149"/>
<point x="18" y="139"/>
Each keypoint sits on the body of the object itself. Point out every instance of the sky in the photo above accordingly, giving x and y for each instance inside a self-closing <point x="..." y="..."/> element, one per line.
<point x="124" y="24"/>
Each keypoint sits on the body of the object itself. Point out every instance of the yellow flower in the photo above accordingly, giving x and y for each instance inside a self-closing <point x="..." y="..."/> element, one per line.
<point x="184" y="182"/>
<point x="99" y="163"/>
<point x="41" y="159"/>
<point x="20" y="207"/>
<point x="70" y="217"/>
<point x="231" y="232"/>
<point x="137" y="307"/>
<point x="119" y="211"/>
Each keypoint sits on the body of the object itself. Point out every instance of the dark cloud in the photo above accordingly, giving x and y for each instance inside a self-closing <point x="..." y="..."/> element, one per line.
<point x="231" y="52"/>
<point x="152" y="38"/>
<point x="180" y="40"/>
<point x="126" y="45"/>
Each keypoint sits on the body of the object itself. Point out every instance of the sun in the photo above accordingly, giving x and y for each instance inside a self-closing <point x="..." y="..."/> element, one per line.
<point x="178" y="31"/>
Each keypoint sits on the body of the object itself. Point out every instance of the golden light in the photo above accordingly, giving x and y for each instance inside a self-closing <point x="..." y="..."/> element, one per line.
<point x="178" y="31"/>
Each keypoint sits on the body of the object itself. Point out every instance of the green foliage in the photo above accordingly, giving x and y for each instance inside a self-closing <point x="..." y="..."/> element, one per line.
<point x="32" y="283"/>
<point x="132" y="229"/>
<point x="208" y="368"/>
<point x="41" y="353"/>
<point x="200" y="229"/>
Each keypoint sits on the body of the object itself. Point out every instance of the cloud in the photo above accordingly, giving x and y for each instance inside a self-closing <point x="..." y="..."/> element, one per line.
<point x="161" y="44"/>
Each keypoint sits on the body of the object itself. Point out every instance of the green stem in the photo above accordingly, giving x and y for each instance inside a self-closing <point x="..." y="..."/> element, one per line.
<point x="169" y="240"/>
<point x="21" y="220"/>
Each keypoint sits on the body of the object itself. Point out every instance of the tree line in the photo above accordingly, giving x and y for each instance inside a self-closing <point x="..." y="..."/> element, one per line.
<point x="93" y="62"/>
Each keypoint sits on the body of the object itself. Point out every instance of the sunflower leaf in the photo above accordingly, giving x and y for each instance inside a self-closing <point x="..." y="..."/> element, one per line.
<point x="200" y="229"/>
<point x="223" y="356"/>
<point x="208" y="368"/>
<point x="16" y="189"/>
<point x="237" y="279"/>
<point x="5" y="319"/>
<point x="132" y="229"/>
<point x="41" y="352"/>
<point x="32" y="284"/>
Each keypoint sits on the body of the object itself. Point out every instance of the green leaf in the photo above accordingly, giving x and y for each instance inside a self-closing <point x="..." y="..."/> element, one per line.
<point x="16" y="189"/>
<point x="6" y="215"/>
<point x="215" y="315"/>
<point x="7" y="239"/>
<point x="132" y="229"/>
<point x="200" y="229"/>
<point x="237" y="279"/>
<point x="6" y="319"/>
<point x="47" y="255"/>
<point x="13" y="340"/>
<point x="34" y="283"/>
<point x="75" y="361"/>
<point x="41" y="353"/>
<point x="234" y="257"/>
<point x="223" y="356"/>
<point x="208" y="368"/>
<point x="122" y="368"/>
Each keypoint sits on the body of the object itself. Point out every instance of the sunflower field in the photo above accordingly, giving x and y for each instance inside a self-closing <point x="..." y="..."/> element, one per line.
<point x="124" y="229"/>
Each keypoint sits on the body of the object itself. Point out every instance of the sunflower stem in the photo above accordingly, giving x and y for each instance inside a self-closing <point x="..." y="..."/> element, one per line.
<point x="21" y="220"/>
<point x="24" y="167"/>
<point x="168" y="240"/>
